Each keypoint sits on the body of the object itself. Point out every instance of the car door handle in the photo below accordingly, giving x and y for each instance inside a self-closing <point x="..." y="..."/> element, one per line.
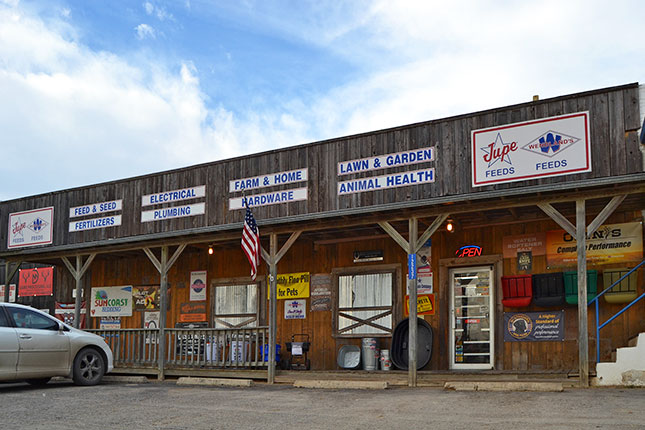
<point x="25" y="336"/>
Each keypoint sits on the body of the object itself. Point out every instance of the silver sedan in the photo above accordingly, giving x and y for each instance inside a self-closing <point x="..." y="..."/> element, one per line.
<point x="34" y="347"/>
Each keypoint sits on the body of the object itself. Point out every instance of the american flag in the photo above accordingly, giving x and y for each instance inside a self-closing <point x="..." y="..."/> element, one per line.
<point x="251" y="241"/>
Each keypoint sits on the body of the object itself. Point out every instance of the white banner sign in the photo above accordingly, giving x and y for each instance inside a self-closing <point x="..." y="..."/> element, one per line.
<point x="198" y="286"/>
<point x="111" y="301"/>
<point x="12" y="293"/>
<point x="173" y="196"/>
<point x="415" y="177"/>
<point x="531" y="150"/>
<point x="89" y="224"/>
<point x="295" y="309"/>
<point x="269" y="180"/>
<point x="96" y="208"/>
<point x="174" y="212"/>
<point x="413" y="156"/>
<point x="30" y="228"/>
<point x="284" y="196"/>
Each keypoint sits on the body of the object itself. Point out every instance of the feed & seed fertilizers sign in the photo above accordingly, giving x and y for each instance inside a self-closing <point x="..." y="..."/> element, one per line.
<point x="534" y="149"/>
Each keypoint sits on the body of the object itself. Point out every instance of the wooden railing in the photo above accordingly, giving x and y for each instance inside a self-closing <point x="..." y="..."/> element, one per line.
<point x="186" y="348"/>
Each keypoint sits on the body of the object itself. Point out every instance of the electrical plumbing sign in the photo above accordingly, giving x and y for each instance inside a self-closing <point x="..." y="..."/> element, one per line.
<point x="554" y="146"/>
<point x="181" y="211"/>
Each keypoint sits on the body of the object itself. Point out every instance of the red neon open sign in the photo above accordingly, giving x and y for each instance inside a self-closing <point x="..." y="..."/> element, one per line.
<point x="469" y="251"/>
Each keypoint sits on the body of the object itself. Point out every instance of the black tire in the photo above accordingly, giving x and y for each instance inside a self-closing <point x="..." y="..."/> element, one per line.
<point x="89" y="367"/>
<point x="38" y="382"/>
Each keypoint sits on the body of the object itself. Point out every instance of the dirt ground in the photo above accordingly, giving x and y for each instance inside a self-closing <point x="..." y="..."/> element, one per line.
<point x="155" y="405"/>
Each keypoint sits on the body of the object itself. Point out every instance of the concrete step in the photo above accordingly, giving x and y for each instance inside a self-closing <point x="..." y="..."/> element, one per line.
<point x="628" y="367"/>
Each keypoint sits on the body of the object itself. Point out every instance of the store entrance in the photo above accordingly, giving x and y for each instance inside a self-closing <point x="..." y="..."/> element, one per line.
<point x="472" y="318"/>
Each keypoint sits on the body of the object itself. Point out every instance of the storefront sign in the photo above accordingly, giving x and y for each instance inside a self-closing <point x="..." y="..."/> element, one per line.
<point x="96" y="208"/>
<point x="90" y="224"/>
<point x="320" y="292"/>
<point x="36" y="282"/>
<point x="192" y="312"/>
<point x="197" y="286"/>
<point x="405" y="158"/>
<point x="533" y="326"/>
<point x="30" y="228"/>
<point x="174" y="212"/>
<point x="173" y="196"/>
<point x="66" y="312"/>
<point x="110" y="323"/>
<point x="146" y="298"/>
<point x="425" y="304"/>
<point x="111" y="301"/>
<point x="295" y="309"/>
<point x="534" y="242"/>
<point x="269" y="180"/>
<point x="611" y="243"/>
<point x="469" y="251"/>
<point x="394" y="180"/>
<point x="534" y="149"/>
<point x="412" y="266"/>
<point x="424" y="269"/>
<point x="274" y="198"/>
<point x="12" y="293"/>
<point x="292" y="286"/>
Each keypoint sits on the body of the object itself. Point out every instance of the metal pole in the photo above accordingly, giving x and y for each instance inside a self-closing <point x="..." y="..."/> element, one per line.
<point x="162" y="315"/>
<point x="412" y="291"/>
<point x="77" y="301"/>
<point x="273" y="300"/>
<point x="583" y="335"/>
<point x="7" y="281"/>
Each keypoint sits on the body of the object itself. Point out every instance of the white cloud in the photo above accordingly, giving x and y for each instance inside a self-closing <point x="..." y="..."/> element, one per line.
<point x="145" y="31"/>
<point x="160" y="12"/>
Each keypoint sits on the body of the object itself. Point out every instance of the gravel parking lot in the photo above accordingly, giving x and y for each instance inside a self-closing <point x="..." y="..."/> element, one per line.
<point x="154" y="405"/>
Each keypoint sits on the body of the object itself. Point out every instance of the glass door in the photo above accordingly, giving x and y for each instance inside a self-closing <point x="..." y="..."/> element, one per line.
<point x="471" y="318"/>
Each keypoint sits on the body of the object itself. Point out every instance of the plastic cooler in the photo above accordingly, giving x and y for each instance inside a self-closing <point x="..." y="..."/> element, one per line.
<point x="265" y="352"/>
<point x="624" y="292"/>
<point x="517" y="291"/>
<point x="548" y="289"/>
<point x="571" y="286"/>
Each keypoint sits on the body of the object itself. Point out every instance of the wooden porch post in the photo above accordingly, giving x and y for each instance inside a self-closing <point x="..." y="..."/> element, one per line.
<point x="8" y="274"/>
<point x="78" y="274"/>
<point x="583" y="334"/>
<point x="163" y="267"/>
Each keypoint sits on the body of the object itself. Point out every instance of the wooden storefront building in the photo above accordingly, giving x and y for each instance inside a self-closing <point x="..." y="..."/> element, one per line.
<point x="350" y="218"/>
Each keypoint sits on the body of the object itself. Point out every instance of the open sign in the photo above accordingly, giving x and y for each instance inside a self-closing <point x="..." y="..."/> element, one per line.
<point x="469" y="251"/>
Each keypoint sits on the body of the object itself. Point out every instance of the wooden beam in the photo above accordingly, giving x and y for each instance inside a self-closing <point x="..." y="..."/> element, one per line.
<point x="69" y="266"/>
<point x="87" y="264"/>
<point x="583" y="335"/>
<point x="265" y="255"/>
<point x="153" y="259"/>
<point x="430" y="231"/>
<point x="273" y="305"/>
<point x="176" y="255"/>
<point x="604" y="214"/>
<point x="8" y="274"/>
<point x="413" y="232"/>
<point x="294" y="236"/>
<point x="395" y="235"/>
<point x="558" y="218"/>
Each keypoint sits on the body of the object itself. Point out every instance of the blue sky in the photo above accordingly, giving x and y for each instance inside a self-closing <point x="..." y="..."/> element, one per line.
<point x="98" y="90"/>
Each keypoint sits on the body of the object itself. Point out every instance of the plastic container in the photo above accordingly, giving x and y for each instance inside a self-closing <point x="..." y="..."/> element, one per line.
<point x="370" y="354"/>
<point x="548" y="289"/>
<point x="349" y="357"/>
<point x="517" y="291"/>
<point x="386" y="364"/>
<point x="571" y="286"/>
<point x="265" y="352"/>
<point x="624" y="292"/>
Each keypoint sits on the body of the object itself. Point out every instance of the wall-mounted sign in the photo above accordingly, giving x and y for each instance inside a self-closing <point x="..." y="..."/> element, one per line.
<point x="174" y="212"/>
<point x="30" y="228"/>
<point x="96" y="208"/>
<point x="151" y="319"/>
<point x="146" y="298"/>
<point x="269" y="180"/>
<point x="412" y="266"/>
<point x="524" y="260"/>
<point x="198" y="286"/>
<point x="192" y="312"/>
<point x="368" y="256"/>
<point x="173" y="196"/>
<point x="611" y="243"/>
<point x="273" y="198"/>
<point x="425" y="304"/>
<point x="424" y="269"/>
<point x="110" y="323"/>
<point x="394" y="180"/>
<point x="111" y="301"/>
<point x="90" y="224"/>
<point x="534" y="149"/>
<point x="292" y="286"/>
<point x="534" y="242"/>
<point x="36" y="282"/>
<point x="533" y="326"/>
<point x="469" y="251"/>
<point x="295" y="309"/>
<point x="413" y="156"/>
<point x="66" y="312"/>
<point x="321" y="292"/>
<point x="12" y="293"/>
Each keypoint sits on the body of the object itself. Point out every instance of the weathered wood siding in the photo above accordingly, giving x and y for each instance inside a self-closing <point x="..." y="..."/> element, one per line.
<point x="614" y="115"/>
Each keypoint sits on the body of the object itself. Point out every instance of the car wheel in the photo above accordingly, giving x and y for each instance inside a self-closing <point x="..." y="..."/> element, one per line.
<point x="89" y="367"/>
<point x="39" y="381"/>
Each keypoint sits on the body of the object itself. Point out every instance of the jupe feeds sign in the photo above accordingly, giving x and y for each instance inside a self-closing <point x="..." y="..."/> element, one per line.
<point x="292" y="286"/>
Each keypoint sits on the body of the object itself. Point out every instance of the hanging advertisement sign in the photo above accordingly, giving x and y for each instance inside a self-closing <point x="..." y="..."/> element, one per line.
<point x="110" y="323"/>
<point x="292" y="286"/>
<point x="66" y="312"/>
<point x="174" y="212"/>
<point x="273" y="198"/>
<point x="146" y="298"/>
<point x="524" y="260"/>
<point x="533" y="326"/>
<point x="151" y="319"/>
<point x="424" y="269"/>
<point x="95" y="209"/>
<point x="192" y="312"/>
<point x="611" y="243"/>
<point x="36" y="282"/>
<point x="197" y="286"/>
<point x="270" y="180"/>
<point x="320" y="292"/>
<point x="534" y="242"/>
<point x="545" y="147"/>
<point x="394" y="180"/>
<point x="425" y="304"/>
<point x="173" y="196"/>
<point x="30" y="228"/>
<point x="386" y="161"/>
<point x="111" y="301"/>
<point x="295" y="309"/>
<point x="12" y="293"/>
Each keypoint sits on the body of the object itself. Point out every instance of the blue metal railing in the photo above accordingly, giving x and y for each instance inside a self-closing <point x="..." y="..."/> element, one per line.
<point x="595" y="299"/>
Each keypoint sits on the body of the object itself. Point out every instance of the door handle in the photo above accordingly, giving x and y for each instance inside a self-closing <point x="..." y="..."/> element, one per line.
<point x="25" y="336"/>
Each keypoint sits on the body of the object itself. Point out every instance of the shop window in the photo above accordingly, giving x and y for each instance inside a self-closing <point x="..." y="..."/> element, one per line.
<point x="235" y="306"/>
<point x="364" y="304"/>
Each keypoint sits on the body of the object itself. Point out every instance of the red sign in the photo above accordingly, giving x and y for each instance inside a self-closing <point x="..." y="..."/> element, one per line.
<point x="67" y="311"/>
<point x="469" y="251"/>
<point x="36" y="282"/>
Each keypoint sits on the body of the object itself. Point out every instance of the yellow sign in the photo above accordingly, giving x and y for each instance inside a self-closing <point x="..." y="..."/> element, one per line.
<point x="292" y="286"/>
<point x="611" y="243"/>
<point x="425" y="304"/>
